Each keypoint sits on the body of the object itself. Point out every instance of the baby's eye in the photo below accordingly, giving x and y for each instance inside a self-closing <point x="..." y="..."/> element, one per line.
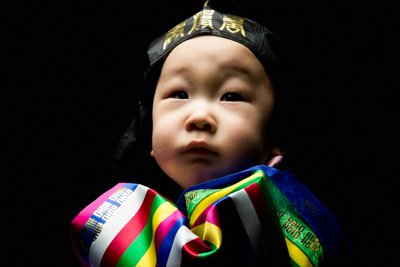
<point x="179" y="95"/>
<point x="231" y="97"/>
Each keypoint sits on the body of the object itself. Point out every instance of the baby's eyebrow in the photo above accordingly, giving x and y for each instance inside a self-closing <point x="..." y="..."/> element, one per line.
<point x="236" y="68"/>
<point x="178" y="68"/>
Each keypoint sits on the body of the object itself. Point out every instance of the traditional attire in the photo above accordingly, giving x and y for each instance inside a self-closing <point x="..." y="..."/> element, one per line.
<point x="259" y="216"/>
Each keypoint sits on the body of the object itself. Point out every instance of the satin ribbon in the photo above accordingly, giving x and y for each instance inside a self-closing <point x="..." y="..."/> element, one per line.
<point x="243" y="219"/>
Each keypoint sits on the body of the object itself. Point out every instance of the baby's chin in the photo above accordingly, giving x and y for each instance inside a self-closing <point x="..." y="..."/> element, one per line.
<point x="203" y="176"/>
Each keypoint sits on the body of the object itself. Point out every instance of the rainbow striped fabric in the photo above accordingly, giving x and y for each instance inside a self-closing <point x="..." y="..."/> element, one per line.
<point x="243" y="219"/>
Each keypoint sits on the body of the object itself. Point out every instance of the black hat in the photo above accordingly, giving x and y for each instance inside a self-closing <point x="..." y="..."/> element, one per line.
<point x="208" y="21"/>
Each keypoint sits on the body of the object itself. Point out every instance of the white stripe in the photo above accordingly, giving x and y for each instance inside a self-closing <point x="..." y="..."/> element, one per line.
<point x="250" y="220"/>
<point x="183" y="236"/>
<point x="112" y="227"/>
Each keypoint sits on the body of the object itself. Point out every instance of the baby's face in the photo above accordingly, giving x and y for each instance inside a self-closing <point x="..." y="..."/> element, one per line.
<point x="211" y="105"/>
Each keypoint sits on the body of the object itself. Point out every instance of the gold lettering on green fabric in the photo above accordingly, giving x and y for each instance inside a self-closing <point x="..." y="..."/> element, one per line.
<point x="233" y="24"/>
<point x="196" y="196"/>
<point x="190" y="195"/>
<point x="311" y="241"/>
<point x="298" y="231"/>
<point x="174" y="33"/>
<point x="293" y="227"/>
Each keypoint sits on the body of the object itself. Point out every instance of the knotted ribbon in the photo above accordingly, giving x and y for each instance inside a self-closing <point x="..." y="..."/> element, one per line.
<point x="259" y="215"/>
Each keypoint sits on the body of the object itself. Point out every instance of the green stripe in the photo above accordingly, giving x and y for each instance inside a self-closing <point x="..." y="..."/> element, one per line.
<point x="293" y="227"/>
<point x="208" y="253"/>
<point x="293" y="263"/>
<point x="195" y="197"/>
<point x="140" y="245"/>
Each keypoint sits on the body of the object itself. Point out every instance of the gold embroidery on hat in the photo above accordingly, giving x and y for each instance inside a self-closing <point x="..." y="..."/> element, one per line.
<point x="174" y="33"/>
<point x="196" y="23"/>
<point x="233" y="24"/>
<point x="202" y="19"/>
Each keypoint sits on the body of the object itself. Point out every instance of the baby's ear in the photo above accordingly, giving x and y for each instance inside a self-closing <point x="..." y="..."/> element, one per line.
<point x="276" y="157"/>
<point x="152" y="153"/>
<point x="276" y="151"/>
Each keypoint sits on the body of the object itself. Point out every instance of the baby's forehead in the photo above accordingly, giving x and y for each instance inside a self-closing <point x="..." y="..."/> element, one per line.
<point x="221" y="55"/>
<point x="211" y="40"/>
<point x="213" y="45"/>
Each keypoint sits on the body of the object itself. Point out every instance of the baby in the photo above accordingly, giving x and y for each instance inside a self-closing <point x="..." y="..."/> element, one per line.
<point x="215" y="109"/>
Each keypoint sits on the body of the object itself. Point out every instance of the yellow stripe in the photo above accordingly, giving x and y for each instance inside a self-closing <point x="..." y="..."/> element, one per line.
<point x="217" y="195"/>
<point x="149" y="258"/>
<point x="297" y="254"/>
<point x="209" y="232"/>
<point x="162" y="212"/>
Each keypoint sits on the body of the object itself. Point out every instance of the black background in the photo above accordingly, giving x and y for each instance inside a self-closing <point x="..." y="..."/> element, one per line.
<point x="72" y="69"/>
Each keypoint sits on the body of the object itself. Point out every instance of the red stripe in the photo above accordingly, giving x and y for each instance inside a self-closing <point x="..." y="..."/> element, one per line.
<point x="259" y="202"/>
<point x="129" y="232"/>
<point x="195" y="247"/>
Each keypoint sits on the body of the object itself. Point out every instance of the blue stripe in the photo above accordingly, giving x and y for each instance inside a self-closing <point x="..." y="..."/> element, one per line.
<point x="166" y="245"/>
<point x="130" y="186"/>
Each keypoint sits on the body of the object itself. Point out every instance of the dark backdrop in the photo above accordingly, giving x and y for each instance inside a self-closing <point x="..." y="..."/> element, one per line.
<point x="73" y="68"/>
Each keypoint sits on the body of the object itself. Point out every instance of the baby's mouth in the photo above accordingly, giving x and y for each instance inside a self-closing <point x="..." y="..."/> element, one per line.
<point x="200" y="151"/>
<point x="199" y="148"/>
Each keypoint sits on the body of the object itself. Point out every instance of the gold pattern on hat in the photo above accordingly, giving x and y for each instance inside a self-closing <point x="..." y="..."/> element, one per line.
<point x="233" y="24"/>
<point x="175" y="32"/>
<point x="202" y="19"/>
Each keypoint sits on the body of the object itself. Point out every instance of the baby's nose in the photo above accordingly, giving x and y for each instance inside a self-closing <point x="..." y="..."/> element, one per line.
<point x="201" y="119"/>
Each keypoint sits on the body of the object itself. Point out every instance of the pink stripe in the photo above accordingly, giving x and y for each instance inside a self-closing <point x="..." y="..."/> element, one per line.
<point x="210" y="214"/>
<point x="165" y="226"/>
<point x="85" y="214"/>
<point x="79" y="221"/>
